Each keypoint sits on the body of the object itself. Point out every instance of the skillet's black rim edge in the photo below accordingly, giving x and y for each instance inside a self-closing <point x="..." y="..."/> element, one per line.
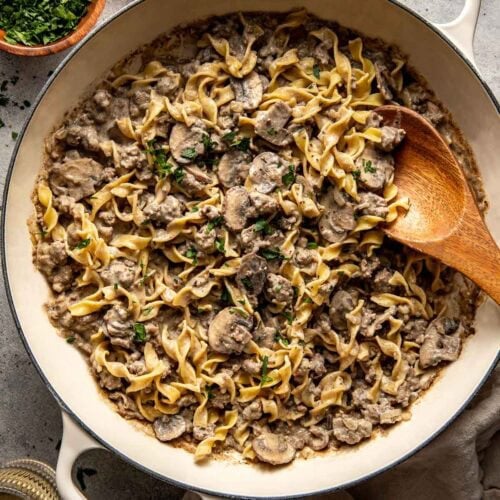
<point x="60" y="401"/>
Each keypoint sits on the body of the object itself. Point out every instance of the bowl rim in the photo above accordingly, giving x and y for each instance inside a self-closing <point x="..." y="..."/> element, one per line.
<point x="86" y="23"/>
<point x="83" y="425"/>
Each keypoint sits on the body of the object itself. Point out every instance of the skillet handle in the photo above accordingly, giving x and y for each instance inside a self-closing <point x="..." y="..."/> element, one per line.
<point x="461" y="30"/>
<point x="74" y="442"/>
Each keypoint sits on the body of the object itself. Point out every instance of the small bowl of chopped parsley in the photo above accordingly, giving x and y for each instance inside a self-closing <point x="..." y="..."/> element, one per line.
<point x="43" y="27"/>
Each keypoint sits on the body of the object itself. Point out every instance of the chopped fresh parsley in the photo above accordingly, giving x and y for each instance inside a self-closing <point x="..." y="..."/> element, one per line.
<point x="271" y="131"/>
<point x="140" y="332"/>
<point x="147" y="311"/>
<point x="229" y="137"/>
<point x="316" y="72"/>
<point x="288" y="316"/>
<point x="281" y="340"/>
<point x="356" y="174"/>
<point x="196" y="208"/>
<point x="219" y="245"/>
<point x="115" y="286"/>
<point x="312" y="244"/>
<point x="189" y="153"/>
<point x="83" y="244"/>
<point x="262" y="226"/>
<point x="159" y="156"/>
<point x="40" y="22"/>
<point x="307" y="300"/>
<point x="207" y="142"/>
<point x="70" y="340"/>
<point x="209" y="391"/>
<point x="264" y="378"/>
<point x="289" y="178"/>
<point x="272" y="254"/>
<point x="225" y="297"/>
<point x="179" y="174"/>
<point x="237" y="310"/>
<point x="242" y="144"/>
<point x="247" y="283"/>
<point x="214" y="223"/>
<point x="192" y="253"/>
<point x="14" y="135"/>
<point x="369" y="168"/>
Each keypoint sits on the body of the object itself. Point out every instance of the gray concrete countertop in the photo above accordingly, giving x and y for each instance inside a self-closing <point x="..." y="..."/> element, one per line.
<point x="30" y="421"/>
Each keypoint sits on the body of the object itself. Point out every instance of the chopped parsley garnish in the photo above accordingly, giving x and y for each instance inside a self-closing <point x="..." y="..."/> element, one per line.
<point x="307" y="300"/>
<point x="147" y="311"/>
<point x="316" y="72"/>
<point x="192" y="253"/>
<point x="209" y="391"/>
<point x="356" y="174"/>
<point x="163" y="167"/>
<point x="264" y="378"/>
<point x="207" y="142"/>
<point x="289" y="178"/>
<point x="271" y="131"/>
<point x="83" y="244"/>
<point x="262" y="226"/>
<point x="70" y="340"/>
<point x="214" y="223"/>
<point x="140" y="332"/>
<point x="247" y="282"/>
<point x="178" y="174"/>
<point x="369" y="168"/>
<point x="312" y="244"/>
<point x="196" y="208"/>
<point x="40" y="22"/>
<point x="281" y="340"/>
<point x="189" y="153"/>
<point x="115" y="286"/>
<point x="272" y="254"/>
<point x="219" y="245"/>
<point x="288" y="316"/>
<point x="237" y="310"/>
<point x="225" y="297"/>
<point x="14" y="135"/>
<point x="229" y="137"/>
<point x="241" y="144"/>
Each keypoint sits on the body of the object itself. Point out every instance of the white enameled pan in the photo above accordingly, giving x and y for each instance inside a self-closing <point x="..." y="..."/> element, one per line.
<point x="443" y="54"/>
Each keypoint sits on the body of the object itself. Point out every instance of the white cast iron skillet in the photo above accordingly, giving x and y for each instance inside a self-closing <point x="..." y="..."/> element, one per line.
<point x="450" y="73"/>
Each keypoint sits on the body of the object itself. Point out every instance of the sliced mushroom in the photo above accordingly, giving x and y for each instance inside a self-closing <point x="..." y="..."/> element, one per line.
<point x="318" y="440"/>
<point x="270" y="124"/>
<point x="237" y="208"/>
<point x="229" y="332"/>
<point x="168" y="427"/>
<point x="186" y="143"/>
<point x="263" y="204"/>
<point x="438" y="344"/>
<point x="75" y="178"/>
<point x="338" y="217"/>
<point x="233" y="168"/>
<point x="273" y="449"/>
<point x="267" y="171"/>
<point x="252" y="274"/>
<point x="248" y="90"/>
<point x="381" y="75"/>
<point x="375" y="168"/>
<point x="372" y="204"/>
<point x="342" y="302"/>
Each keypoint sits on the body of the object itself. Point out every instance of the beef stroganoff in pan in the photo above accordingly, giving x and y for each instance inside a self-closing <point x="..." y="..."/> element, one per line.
<point x="209" y="223"/>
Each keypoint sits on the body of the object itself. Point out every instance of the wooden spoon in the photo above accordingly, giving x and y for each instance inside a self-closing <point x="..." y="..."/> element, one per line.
<point x="443" y="220"/>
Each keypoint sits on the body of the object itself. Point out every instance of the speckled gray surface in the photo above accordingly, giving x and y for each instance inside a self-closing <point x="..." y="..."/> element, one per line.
<point x="30" y="422"/>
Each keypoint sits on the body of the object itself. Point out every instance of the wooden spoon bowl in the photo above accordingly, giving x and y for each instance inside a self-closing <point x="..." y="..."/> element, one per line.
<point x="86" y="23"/>
<point x="443" y="220"/>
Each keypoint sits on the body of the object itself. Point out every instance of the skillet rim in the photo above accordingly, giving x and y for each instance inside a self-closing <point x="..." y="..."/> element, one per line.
<point x="73" y="52"/>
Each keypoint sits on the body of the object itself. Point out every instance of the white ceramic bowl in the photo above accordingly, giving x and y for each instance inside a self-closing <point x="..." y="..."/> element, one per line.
<point x="65" y="371"/>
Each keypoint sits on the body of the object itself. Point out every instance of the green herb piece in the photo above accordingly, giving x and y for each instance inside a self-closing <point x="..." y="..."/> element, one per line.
<point x="147" y="311"/>
<point x="312" y="244"/>
<point x="219" y="245"/>
<point x="192" y="253"/>
<point x="237" y="310"/>
<point x="242" y="144"/>
<point x="70" y="340"/>
<point x="242" y="302"/>
<point x="316" y="72"/>
<point x="281" y="340"/>
<point x="115" y="286"/>
<point x="196" y="208"/>
<point x="229" y="137"/>
<point x="272" y="254"/>
<point x="262" y="226"/>
<point x="307" y="300"/>
<point x="209" y="391"/>
<point x="356" y="174"/>
<point x="278" y="288"/>
<point x="40" y="22"/>
<point x="189" y="153"/>
<point x="140" y="332"/>
<point x="14" y="135"/>
<point x="178" y="174"/>
<point x="368" y="166"/>
<point x="288" y="316"/>
<point x="214" y="223"/>
<point x="271" y="131"/>
<point x="159" y="156"/>
<point x="207" y="142"/>
<point x="247" y="282"/>
<point x="83" y="244"/>
<point x="225" y="297"/>
<point x="264" y="378"/>
<point x="289" y="178"/>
